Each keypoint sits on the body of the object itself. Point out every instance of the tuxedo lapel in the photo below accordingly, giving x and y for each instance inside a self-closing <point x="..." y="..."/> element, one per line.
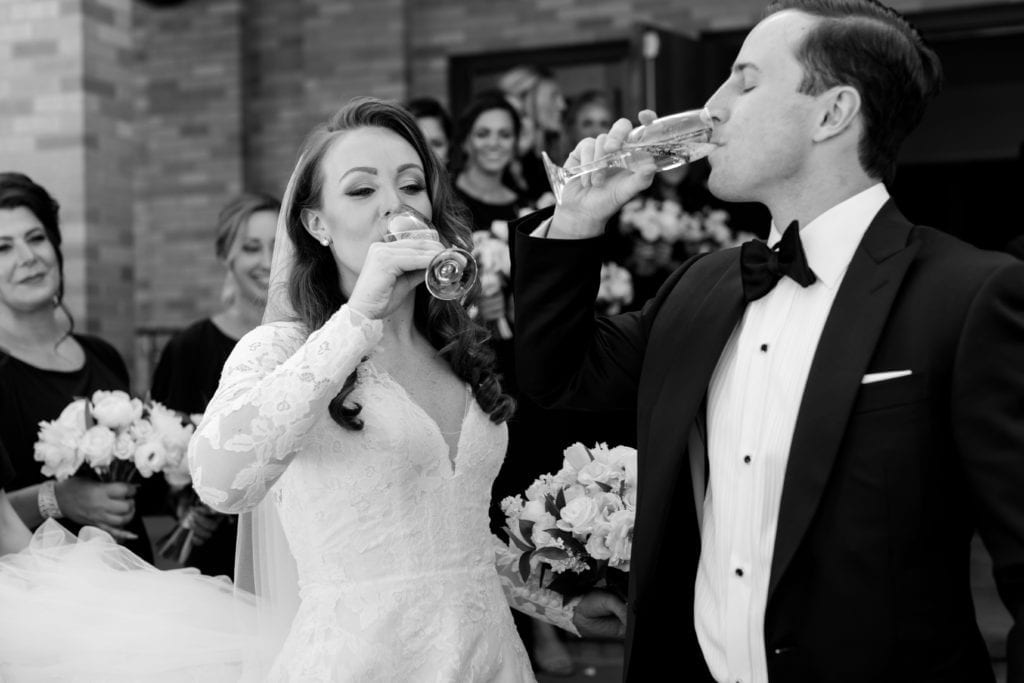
<point x="847" y="342"/>
<point x="685" y="344"/>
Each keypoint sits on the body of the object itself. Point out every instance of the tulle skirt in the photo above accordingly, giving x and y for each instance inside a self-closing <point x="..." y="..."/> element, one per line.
<point x="87" y="609"/>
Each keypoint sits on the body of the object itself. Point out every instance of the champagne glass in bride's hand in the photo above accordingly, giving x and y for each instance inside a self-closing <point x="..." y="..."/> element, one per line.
<point x="452" y="272"/>
<point x="669" y="141"/>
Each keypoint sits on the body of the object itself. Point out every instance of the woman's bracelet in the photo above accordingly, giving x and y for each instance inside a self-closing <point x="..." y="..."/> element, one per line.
<point x="47" y="500"/>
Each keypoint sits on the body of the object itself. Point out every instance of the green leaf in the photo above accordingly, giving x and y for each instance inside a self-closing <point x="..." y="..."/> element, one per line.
<point x="518" y="543"/>
<point x="604" y="487"/>
<point x="526" y="529"/>
<point x="550" y="507"/>
<point x="560" y="499"/>
<point x="592" y="458"/>
<point x="555" y="554"/>
<point x="89" y="419"/>
<point x="524" y="566"/>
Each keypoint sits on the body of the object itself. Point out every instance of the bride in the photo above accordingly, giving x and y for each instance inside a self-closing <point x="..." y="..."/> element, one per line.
<point x="362" y="425"/>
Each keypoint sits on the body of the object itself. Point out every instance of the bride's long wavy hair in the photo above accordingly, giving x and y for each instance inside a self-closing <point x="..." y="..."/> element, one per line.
<point x="315" y="284"/>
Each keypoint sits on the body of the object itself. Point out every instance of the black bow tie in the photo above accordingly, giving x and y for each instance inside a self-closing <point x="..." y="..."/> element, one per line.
<point x="762" y="267"/>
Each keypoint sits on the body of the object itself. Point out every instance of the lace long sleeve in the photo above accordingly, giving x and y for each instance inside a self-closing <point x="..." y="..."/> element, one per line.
<point x="528" y="597"/>
<point x="274" y="387"/>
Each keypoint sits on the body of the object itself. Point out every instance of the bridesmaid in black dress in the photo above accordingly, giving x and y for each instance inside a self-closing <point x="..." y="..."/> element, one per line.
<point x="44" y="365"/>
<point x="14" y="535"/>
<point x="189" y="368"/>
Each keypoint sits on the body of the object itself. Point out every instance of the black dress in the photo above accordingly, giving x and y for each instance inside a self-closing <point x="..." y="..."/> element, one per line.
<point x="6" y="469"/>
<point x="29" y="395"/>
<point x="185" y="379"/>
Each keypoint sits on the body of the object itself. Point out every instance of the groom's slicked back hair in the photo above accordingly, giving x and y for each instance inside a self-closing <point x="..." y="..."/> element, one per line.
<point x="874" y="49"/>
<point x="315" y="283"/>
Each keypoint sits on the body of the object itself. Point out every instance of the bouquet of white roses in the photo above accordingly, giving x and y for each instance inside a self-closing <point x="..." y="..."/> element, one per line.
<point x="574" y="529"/>
<point x="116" y="435"/>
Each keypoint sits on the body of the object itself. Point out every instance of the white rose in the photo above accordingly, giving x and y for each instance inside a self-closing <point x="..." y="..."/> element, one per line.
<point x="536" y="491"/>
<point x="576" y="456"/>
<point x="540" y="535"/>
<point x="608" y="504"/>
<point x="597" y="544"/>
<point x="620" y="538"/>
<point x="57" y="449"/>
<point x="573" y="492"/>
<point x="141" y="429"/>
<point x="167" y="424"/>
<point x="629" y="496"/>
<point x="124" y="447"/>
<point x="73" y="417"/>
<point x="115" y="409"/>
<point x="533" y="510"/>
<point x="97" y="446"/>
<point x="177" y="473"/>
<point x="594" y="472"/>
<point x="578" y="515"/>
<point x="150" y="457"/>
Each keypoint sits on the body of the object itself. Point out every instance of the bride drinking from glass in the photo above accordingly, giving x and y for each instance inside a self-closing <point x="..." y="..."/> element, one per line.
<point x="363" y="424"/>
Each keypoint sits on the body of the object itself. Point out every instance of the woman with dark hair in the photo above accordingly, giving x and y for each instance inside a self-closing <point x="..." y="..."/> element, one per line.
<point x="485" y="147"/>
<point x="190" y="364"/>
<point x="44" y="365"/>
<point x="435" y="124"/>
<point x="364" y="422"/>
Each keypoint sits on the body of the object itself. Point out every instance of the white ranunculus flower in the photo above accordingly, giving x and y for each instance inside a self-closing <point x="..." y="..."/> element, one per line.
<point x="579" y="515"/>
<point x="97" y="446"/>
<point x="576" y="456"/>
<point x="620" y="538"/>
<point x="150" y="457"/>
<point x="115" y="409"/>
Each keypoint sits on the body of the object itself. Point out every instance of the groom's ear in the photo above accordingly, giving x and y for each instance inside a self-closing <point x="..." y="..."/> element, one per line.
<point x="312" y="222"/>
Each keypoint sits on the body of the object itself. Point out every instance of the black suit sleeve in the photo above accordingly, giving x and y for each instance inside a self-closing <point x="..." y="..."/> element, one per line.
<point x="567" y="357"/>
<point x="988" y="423"/>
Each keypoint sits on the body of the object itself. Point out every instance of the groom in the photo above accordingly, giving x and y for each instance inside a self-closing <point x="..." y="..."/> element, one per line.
<point x="823" y="425"/>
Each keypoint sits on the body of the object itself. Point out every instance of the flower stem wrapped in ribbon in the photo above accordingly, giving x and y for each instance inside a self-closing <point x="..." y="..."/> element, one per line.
<point x="573" y="531"/>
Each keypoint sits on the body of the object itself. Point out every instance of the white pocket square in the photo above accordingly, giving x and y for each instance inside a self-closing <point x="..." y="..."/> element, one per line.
<point x="873" y="377"/>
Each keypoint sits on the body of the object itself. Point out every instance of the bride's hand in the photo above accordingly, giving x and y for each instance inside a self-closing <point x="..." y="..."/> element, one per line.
<point x="391" y="271"/>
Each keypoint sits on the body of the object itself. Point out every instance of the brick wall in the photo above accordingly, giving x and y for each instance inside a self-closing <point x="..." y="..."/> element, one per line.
<point x="144" y="120"/>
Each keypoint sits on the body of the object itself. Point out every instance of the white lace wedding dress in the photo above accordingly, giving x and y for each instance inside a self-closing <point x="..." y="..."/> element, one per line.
<point x="400" y="578"/>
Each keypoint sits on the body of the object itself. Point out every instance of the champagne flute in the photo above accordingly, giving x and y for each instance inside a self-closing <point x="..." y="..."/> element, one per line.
<point x="452" y="272"/>
<point x="670" y="141"/>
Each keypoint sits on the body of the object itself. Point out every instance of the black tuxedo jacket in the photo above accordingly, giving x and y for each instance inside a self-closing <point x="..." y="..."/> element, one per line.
<point x="885" y="484"/>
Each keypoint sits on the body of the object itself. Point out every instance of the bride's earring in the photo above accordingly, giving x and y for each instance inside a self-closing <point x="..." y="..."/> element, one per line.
<point x="326" y="240"/>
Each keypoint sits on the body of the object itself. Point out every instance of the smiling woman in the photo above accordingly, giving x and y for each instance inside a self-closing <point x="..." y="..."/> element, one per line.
<point x="44" y="364"/>
<point x="190" y="365"/>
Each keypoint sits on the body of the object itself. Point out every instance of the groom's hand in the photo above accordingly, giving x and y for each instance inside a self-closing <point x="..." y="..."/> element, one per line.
<point x="600" y="615"/>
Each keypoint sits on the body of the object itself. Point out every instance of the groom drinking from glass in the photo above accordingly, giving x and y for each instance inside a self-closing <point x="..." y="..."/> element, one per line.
<point x="822" y="424"/>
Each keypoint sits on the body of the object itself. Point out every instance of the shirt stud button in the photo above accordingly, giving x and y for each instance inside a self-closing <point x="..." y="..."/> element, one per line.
<point x="739" y="572"/>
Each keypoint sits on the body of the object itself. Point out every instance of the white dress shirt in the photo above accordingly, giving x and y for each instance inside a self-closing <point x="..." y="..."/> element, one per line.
<point x="753" y="400"/>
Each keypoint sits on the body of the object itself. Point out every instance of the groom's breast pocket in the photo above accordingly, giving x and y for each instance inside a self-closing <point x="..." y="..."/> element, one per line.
<point x="890" y="389"/>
